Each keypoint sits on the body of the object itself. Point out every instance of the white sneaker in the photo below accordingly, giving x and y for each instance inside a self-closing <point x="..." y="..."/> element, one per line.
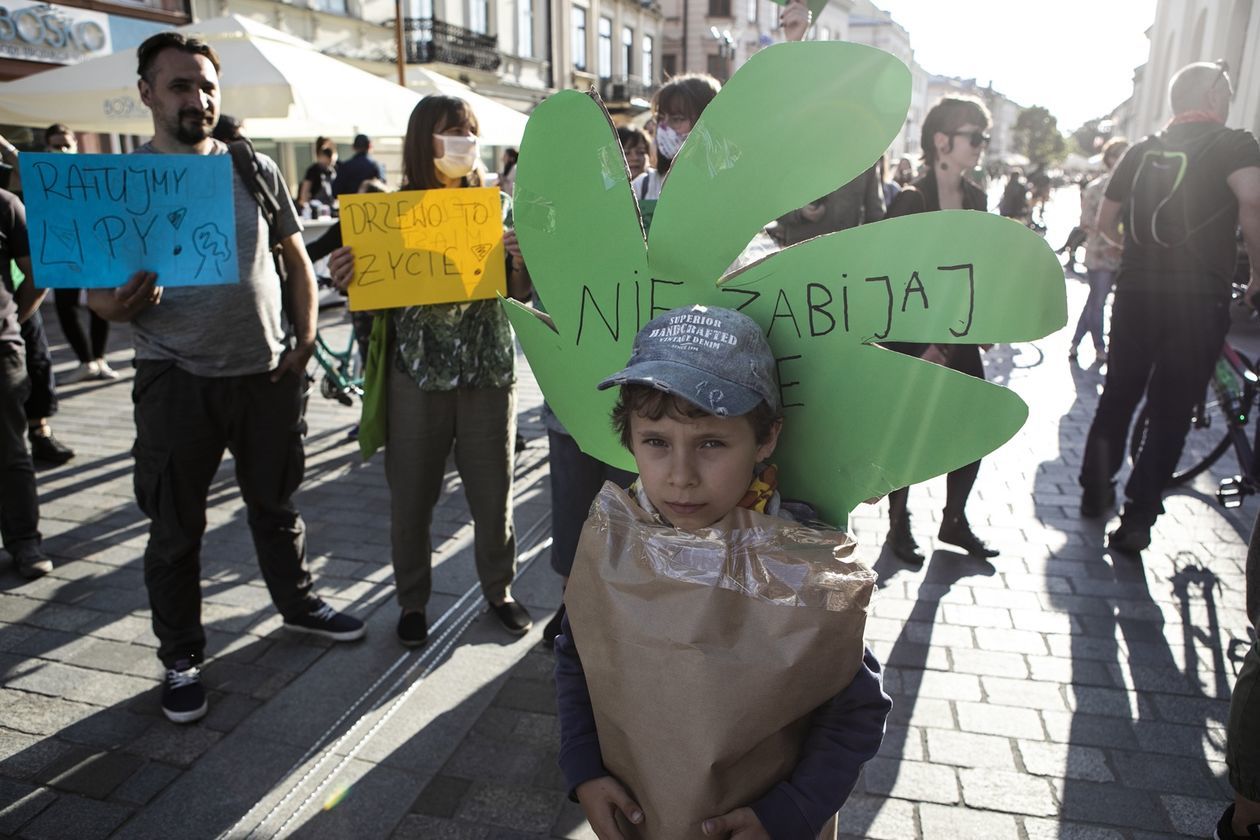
<point x="85" y="371"/>
<point x="104" y="371"/>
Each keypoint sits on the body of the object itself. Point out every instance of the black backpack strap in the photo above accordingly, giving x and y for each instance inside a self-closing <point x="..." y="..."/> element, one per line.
<point x="245" y="162"/>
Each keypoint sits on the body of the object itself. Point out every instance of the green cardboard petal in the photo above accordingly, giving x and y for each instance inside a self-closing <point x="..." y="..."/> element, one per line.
<point x="861" y="419"/>
<point x="794" y="123"/>
<point x="574" y="211"/>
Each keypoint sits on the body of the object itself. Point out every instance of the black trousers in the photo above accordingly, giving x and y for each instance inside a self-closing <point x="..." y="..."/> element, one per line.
<point x="576" y="479"/>
<point x="19" y="505"/>
<point x="964" y="358"/>
<point x="67" y="301"/>
<point x="42" y="399"/>
<point x="183" y="425"/>
<point x="1164" y="346"/>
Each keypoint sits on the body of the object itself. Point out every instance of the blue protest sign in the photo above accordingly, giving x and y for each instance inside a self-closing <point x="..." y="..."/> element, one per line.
<point x="95" y="220"/>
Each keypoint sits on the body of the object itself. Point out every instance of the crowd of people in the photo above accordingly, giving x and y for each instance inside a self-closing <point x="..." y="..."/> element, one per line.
<point x="216" y="370"/>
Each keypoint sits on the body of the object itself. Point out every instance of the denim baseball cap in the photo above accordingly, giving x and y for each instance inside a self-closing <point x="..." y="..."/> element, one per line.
<point x="717" y="359"/>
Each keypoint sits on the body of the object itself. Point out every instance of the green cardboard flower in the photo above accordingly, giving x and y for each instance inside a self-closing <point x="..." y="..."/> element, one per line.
<point x="796" y="121"/>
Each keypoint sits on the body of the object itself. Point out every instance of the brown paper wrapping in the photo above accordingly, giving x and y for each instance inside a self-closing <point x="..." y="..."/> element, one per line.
<point x="706" y="653"/>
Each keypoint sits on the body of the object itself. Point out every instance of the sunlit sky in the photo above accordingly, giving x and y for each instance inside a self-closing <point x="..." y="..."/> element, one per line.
<point x="1075" y="57"/>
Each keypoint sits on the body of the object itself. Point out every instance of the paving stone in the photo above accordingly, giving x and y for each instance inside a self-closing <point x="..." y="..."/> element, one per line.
<point x="913" y="780"/>
<point x="966" y="749"/>
<point x="1042" y="829"/>
<point x="20" y="803"/>
<point x="421" y="827"/>
<point x="94" y="774"/>
<point x="973" y="616"/>
<point x="527" y="696"/>
<point x="1023" y="693"/>
<point x="940" y="685"/>
<point x="1110" y="804"/>
<point x="571" y="824"/>
<point x="1090" y="730"/>
<point x="921" y="712"/>
<point x="945" y="823"/>
<point x="1010" y="641"/>
<point x="1008" y="721"/>
<point x="1071" y="761"/>
<point x="23" y="756"/>
<point x="876" y="818"/>
<point x="146" y="783"/>
<point x="990" y="663"/>
<point x="75" y="816"/>
<point x="441" y="796"/>
<point x="518" y="808"/>
<point x="1001" y="790"/>
<point x="1163" y="773"/>
<point x="494" y="761"/>
<point x="175" y="744"/>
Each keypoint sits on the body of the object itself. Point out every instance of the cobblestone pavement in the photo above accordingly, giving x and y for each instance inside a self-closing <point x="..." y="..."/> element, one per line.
<point x="1061" y="691"/>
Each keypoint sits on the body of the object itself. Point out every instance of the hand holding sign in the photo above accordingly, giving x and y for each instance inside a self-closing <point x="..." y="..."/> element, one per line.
<point x="424" y="246"/>
<point x="864" y="420"/>
<point x="97" y="219"/>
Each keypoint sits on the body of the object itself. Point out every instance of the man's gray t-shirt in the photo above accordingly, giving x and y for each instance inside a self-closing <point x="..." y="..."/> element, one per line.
<point x="229" y="330"/>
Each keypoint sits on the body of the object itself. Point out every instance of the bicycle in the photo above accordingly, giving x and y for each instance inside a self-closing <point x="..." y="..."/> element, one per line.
<point x="1231" y="394"/>
<point x="343" y="378"/>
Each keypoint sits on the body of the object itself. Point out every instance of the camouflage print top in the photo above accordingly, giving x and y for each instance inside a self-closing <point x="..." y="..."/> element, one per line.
<point x="445" y="346"/>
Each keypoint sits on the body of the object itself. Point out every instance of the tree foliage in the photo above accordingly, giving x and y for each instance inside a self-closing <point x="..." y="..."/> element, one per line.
<point x="1037" y="137"/>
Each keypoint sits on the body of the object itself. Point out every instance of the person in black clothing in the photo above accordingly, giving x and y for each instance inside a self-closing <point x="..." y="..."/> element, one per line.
<point x="358" y="169"/>
<point x="1170" y="313"/>
<point x="19" y="504"/>
<point x="317" y="183"/>
<point x="953" y="138"/>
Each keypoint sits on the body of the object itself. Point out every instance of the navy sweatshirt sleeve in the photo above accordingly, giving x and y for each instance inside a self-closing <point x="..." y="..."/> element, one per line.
<point x="580" y="759"/>
<point x="845" y="733"/>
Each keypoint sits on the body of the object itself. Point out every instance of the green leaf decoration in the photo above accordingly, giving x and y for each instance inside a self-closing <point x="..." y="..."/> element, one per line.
<point x="795" y="122"/>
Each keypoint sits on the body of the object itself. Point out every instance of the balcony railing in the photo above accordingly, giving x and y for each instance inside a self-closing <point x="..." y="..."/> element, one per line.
<point x="624" y="88"/>
<point x="429" y="39"/>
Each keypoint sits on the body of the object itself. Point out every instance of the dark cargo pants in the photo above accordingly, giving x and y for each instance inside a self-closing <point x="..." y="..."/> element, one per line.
<point x="183" y="425"/>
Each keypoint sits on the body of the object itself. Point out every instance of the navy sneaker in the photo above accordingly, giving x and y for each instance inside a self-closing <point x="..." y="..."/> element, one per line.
<point x="183" y="698"/>
<point x="324" y="621"/>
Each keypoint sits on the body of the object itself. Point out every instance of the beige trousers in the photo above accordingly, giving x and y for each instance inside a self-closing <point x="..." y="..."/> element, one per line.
<point x="423" y="425"/>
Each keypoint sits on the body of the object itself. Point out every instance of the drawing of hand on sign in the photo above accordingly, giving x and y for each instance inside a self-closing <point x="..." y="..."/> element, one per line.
<point x="863" y="419"/>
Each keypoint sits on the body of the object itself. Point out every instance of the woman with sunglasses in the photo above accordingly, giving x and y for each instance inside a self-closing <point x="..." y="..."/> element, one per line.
<point x="451" y="381"/>
<point x="954" y="135"/>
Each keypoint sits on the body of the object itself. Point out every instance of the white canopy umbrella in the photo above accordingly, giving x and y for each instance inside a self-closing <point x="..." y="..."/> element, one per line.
<point x="283" y="87"/>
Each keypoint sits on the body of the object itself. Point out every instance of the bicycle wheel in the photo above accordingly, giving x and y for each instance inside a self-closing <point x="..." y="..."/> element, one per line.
<point x="1206" y="441"/>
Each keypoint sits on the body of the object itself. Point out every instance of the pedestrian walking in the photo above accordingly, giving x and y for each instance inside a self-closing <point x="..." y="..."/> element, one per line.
<point x="213" y="373"/>
<point x="1102" y="258"/>
<point x="1183" y="193"/>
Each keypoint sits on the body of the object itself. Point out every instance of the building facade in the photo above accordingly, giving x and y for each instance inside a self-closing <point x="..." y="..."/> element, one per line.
<point x="873" y="26"/>
<point x="1185" y="31"/>
<point x="41" y="36"/>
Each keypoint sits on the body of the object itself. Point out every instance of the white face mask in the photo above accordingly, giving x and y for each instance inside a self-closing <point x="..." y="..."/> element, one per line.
<point x="668" y="141"/>
<point x="459" y="157"/>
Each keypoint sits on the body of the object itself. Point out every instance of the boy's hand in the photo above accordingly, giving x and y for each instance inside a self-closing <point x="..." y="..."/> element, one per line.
<point x="740" y="824"/>
<point x="601" y="799"/>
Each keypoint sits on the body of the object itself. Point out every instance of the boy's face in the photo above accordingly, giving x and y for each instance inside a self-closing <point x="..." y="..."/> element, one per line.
<point x="696" y="470"/>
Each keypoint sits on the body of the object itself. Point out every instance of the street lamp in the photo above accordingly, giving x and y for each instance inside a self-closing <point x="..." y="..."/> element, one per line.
<point x="726" y="47"/>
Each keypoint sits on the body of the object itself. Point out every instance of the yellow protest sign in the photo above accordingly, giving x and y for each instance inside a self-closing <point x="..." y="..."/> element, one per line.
<point x="424" y="246"/>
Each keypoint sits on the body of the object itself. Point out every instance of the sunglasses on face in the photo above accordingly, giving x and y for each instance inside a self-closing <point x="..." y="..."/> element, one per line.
<point x="978" y="138"/>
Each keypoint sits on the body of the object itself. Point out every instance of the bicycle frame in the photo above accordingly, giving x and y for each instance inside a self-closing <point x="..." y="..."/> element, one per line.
<point x="339" y="382"/>
<point x="1236" y="403"/>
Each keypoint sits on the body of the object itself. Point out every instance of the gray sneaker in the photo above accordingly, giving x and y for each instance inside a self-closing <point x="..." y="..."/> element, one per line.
<point x="30" y="562"/>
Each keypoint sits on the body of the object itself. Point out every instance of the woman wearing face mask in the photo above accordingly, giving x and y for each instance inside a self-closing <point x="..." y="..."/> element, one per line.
<point x="451" y="380"/>
<point x="954" y="135"/>
<point x="675" y="109"/>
